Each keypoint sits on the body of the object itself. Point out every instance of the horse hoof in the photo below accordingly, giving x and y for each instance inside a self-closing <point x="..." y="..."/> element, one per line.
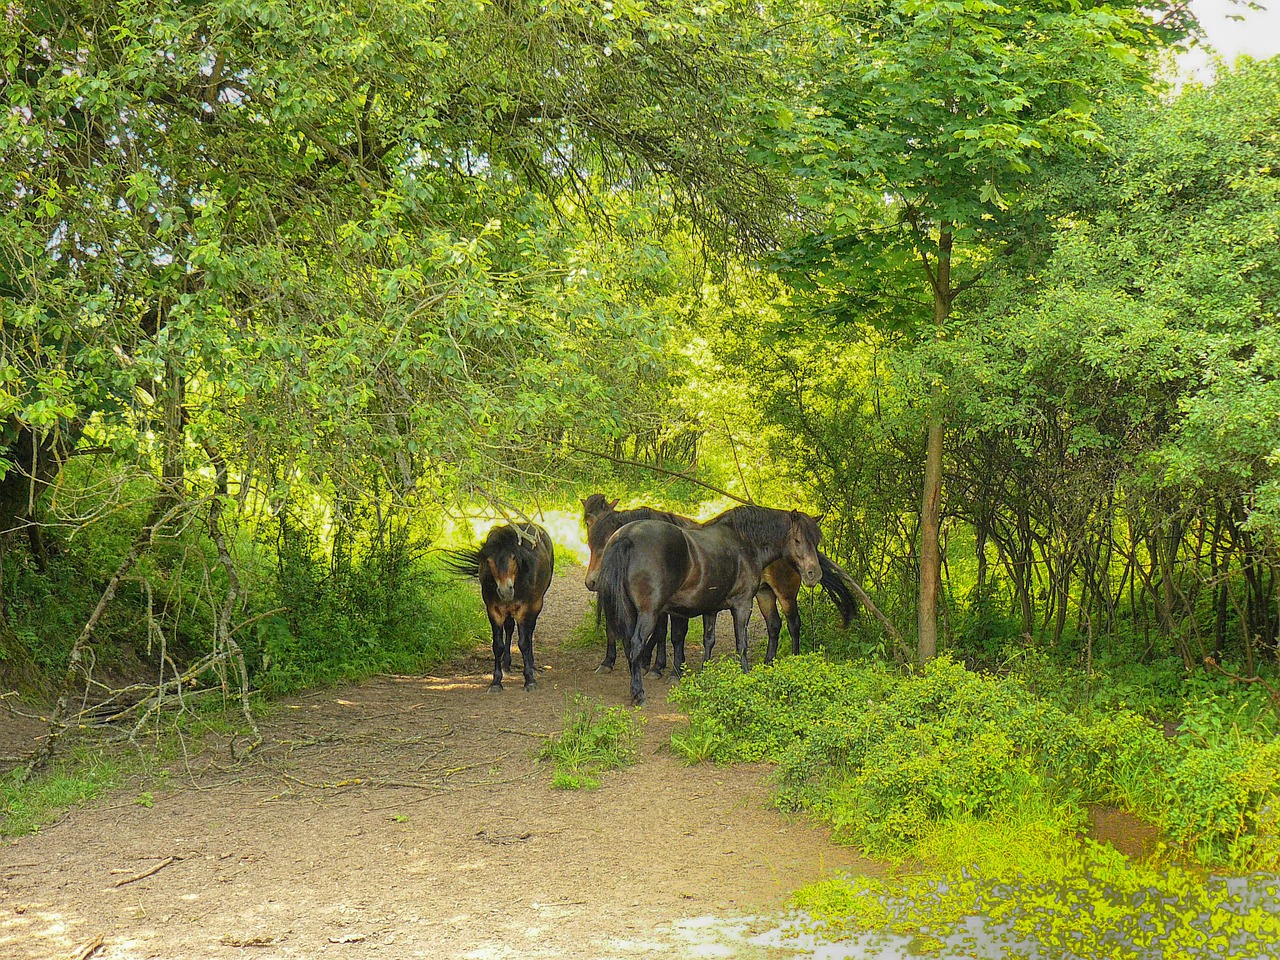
<point x="604" y="668"/>
<point x="653" y="675"/>
<point x="531" y="685"/>
<point x="638" y="701"/>
<point x="495" y="688"/>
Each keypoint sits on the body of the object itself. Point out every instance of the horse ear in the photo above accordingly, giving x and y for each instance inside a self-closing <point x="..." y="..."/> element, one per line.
<point x="819" y="518"/>
<point x="613" y="504"/>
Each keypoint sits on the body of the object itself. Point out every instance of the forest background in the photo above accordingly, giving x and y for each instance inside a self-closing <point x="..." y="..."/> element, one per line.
<point x="289" y="288"/>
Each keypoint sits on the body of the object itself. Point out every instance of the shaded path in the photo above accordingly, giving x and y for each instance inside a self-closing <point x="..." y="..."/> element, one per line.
<point x="404" y="817"/>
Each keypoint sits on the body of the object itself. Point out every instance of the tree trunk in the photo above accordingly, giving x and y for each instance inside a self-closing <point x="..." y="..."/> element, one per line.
<point x="931" y="498"/>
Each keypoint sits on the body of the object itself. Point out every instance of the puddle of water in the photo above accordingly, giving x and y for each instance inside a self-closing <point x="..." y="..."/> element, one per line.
<point x="708" y="938"/>
<point x="975" y="937"/>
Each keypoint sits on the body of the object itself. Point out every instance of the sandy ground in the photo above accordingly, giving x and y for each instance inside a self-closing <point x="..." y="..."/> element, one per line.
<point x="405" y="817"/>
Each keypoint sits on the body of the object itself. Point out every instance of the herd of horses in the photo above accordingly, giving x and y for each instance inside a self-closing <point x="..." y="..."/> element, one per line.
<point x="652" y="571"/>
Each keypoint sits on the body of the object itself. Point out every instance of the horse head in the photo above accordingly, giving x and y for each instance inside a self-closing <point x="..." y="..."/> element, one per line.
<point x="802" y="547"/>
<point x="594" y="509"/>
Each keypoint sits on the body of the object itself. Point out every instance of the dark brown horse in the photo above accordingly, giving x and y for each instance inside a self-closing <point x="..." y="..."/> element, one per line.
<point x="779" y="584"/>
<point x="652" y="567"/>
<point x="514" y="566"/>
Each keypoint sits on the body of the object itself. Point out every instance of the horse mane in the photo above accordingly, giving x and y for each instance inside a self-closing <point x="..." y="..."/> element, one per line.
<point x="762" y="524"/>
<point x="608" y="523"/>
<point x="501" y="540"/>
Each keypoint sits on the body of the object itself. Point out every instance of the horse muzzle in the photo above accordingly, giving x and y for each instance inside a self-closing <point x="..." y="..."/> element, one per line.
<point x="590" y="584"/>
<point x="811" y="578"/>
<point x="506" y="592"/>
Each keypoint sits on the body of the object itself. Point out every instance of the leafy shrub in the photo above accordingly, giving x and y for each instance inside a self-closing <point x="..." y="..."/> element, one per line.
<point x="1224" y="803"/>
<point x="595" y="738"/>
<point x="886" y="760"/>
<point x="758" y="715"/>
<point x="332" y="629"/>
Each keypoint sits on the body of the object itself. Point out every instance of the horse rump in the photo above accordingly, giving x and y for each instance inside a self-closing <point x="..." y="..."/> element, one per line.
<point x="613" y="594"/>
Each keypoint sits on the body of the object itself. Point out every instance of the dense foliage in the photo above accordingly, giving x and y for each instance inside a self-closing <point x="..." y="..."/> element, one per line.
<point x="893" y="763"/>
<point x="284" y="285"/>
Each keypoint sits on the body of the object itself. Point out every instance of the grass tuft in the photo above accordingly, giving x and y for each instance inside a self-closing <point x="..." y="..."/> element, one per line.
<point x="596" y="738"/>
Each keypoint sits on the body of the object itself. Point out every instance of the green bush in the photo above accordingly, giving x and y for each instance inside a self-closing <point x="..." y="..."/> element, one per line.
<point x="758" y="715"/>
<point x="332" y="627"/>
<point x="1224" y="803"/>
<point x="894" y="763"/>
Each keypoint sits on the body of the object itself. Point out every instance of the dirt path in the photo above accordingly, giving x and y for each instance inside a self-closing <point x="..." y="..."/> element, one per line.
<point x="404" y="817"/>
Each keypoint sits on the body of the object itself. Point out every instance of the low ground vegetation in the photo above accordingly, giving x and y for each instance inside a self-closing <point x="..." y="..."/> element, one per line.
<point x="979" y="785"/>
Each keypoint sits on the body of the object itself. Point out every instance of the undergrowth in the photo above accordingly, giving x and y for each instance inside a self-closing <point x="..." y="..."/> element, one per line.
<point x="595" y="739"/>
<point x="885" y="759"/>
<point x="983" y="784"/>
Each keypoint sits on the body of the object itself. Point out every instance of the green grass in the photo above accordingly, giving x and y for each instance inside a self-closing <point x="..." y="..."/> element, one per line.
<point x="596" y="738"/>
<point x="588" y="634"/>
<point x="84" y="774"/>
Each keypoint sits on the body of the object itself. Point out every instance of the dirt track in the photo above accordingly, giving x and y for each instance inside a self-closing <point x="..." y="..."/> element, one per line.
<point x="404" y="817"/>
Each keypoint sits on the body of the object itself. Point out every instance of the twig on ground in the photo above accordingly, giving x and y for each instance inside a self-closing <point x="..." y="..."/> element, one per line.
<point x="148" y="872"/>
<point x="89" y="949"/>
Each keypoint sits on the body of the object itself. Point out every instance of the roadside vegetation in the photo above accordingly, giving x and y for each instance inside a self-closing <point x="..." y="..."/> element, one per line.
<point x="290" y="294"/>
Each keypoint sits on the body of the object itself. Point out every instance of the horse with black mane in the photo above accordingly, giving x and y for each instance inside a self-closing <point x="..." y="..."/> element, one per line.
<point x="514" y="566"/>
<point x="602" y="520"/>
<point x="779" y="586"/>
<point x="652" y="567"/>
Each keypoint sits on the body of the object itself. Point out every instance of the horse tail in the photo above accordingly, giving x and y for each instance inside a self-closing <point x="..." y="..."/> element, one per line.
<point x="463" y="563"/>
<point x="612" y="593"/>
<point x="835" y="583"/>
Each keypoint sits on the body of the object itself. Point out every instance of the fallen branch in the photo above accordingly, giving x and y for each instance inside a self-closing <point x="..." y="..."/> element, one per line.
<point x="141" y="542"/>
<point x="148" y="872"/>
<point x="89" y="949"/>
<point x="865" y="599"/>
<point x="525" y="733"/>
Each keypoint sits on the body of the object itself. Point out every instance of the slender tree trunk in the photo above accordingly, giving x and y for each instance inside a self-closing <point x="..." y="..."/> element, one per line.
<point x="931" y="498"/>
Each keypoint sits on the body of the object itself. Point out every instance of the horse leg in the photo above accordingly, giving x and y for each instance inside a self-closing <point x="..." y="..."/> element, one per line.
<point x="499" y="647"/>
<point x="792" y="611"/>
<point x="767" y="601"/>
<point x="708" y="635"/>
<point x="645" y="624"/>
<point x="741" y="617"/>
<point x="657" y="649"/>
<point x="526" y="649"/>
<point x="508" y="629"/>
<point x="679" y="630"/>
<point x="610" y="652"/>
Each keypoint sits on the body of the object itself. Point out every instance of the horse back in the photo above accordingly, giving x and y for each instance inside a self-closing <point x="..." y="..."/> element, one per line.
<point x="542" y="567"/>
